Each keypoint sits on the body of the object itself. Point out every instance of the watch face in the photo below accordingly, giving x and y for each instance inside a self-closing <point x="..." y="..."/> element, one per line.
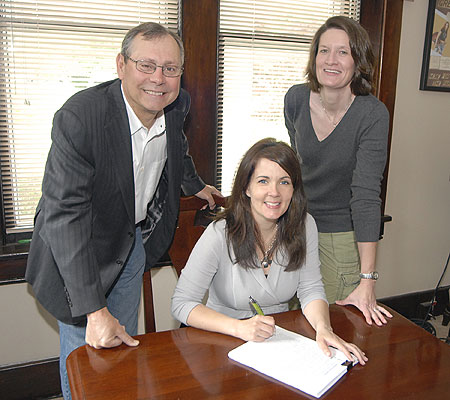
<point x="375" y="275"/>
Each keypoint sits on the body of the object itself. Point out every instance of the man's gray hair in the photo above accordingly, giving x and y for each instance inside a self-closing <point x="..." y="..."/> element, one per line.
<point x="149" y="30"/>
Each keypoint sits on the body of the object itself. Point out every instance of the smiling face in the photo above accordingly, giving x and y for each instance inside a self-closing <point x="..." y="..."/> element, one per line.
<point x="334" y="62"/>
<point x="270" y="191"/>
<point x="148" y="94"/>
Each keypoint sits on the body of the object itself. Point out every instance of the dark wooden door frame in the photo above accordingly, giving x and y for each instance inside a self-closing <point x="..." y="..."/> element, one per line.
<point x="199" y="32"/>
<point x="383" y="21"/>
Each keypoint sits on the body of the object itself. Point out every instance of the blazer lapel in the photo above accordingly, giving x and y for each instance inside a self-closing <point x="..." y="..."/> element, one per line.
<point x="174" y="125"/>
<point x="259" y="276"/>
<point x="118" y="130"/>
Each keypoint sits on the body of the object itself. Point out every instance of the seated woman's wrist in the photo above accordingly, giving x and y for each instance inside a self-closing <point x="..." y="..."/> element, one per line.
<point x="233" y="328"/>
<point x="323" y="327"/>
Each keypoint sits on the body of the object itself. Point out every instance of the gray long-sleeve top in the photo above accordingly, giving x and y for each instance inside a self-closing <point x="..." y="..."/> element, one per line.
<point x="210" y="267"/>
<point x="341" y="174"/>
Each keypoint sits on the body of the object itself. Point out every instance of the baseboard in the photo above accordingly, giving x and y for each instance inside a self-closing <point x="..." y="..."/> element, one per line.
<point x="410" y="304"/>
<point x="32" y="380"/>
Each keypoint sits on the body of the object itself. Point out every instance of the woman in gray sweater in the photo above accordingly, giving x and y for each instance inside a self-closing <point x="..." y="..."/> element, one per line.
<point x="340" y="133"/>
<point x="263" y="245"/>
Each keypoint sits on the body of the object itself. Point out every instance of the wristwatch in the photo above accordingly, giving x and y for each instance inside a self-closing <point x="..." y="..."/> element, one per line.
<point x="371" y="275"/>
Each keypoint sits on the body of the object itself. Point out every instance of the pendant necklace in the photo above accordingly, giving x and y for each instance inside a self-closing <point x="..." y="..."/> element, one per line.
<point x="328" y="115"/>
<point x="266" y="262"/>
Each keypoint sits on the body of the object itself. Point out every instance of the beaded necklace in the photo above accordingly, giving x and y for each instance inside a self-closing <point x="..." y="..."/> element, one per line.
<point x="266" y="261"/>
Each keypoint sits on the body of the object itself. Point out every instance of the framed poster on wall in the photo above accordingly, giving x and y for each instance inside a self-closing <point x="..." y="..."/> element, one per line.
<point x="436" y="50"/>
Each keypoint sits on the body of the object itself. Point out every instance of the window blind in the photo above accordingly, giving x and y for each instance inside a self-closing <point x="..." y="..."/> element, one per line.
<point x="51" y="49"/>
<point x="263" y="50"/>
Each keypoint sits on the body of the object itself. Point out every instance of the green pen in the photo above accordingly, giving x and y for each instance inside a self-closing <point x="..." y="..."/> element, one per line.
<point x="255" y="305"/>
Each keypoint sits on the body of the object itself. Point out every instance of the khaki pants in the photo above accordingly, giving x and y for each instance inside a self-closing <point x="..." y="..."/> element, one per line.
<point x="340" y="266"/>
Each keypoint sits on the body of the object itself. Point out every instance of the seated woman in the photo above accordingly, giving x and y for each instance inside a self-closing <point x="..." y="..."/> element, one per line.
<point x="264" y="245"/>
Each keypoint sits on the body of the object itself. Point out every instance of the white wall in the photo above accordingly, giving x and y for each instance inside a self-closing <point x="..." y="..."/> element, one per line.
<point x="29" y="333"/>
<point x="415" y="245"/>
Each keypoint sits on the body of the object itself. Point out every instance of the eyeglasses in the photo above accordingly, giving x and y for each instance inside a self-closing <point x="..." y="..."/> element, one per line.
<point x="149" y="67"/>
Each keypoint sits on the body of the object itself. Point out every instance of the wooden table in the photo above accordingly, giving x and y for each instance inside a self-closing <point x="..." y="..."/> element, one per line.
<point x="405" y="362"/>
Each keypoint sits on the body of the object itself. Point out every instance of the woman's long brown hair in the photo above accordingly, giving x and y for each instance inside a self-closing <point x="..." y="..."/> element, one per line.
<point x="242" y="232"/>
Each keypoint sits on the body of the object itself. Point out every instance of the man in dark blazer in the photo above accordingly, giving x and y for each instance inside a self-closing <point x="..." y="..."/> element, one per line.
<point x="110" y="194"/>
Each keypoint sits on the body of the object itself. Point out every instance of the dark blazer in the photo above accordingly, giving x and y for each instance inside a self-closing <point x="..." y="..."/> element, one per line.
<point x="85" y="220"/>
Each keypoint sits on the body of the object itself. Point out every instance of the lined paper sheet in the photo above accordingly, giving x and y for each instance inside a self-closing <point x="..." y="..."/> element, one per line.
<point x="294" y="360"/>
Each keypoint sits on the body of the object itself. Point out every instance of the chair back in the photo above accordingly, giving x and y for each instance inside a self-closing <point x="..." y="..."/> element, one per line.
<point x="192" y="221"/>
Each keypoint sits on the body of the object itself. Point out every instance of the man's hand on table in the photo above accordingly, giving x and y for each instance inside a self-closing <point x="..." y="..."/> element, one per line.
<point x="104" y="331"/>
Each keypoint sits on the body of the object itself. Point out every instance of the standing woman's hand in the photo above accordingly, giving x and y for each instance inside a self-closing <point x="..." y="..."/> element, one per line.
<point x="363" y="297"/>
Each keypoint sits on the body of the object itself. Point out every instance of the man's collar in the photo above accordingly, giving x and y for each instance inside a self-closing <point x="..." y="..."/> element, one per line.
<point x="135" y="122"/>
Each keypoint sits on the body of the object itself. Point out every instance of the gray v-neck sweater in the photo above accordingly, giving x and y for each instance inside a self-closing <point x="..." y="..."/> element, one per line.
<point x="341" y="174"/>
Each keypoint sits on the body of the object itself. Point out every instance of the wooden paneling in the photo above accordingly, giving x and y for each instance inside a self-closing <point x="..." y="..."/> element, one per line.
<point x="200" y="27"/>
<point x="34" y="380"/>
<point x="12" y="268"/>
<point x="383" y="21"/>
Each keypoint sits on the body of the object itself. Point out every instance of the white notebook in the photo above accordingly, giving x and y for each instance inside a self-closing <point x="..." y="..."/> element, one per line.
<point x="294" y="360"/>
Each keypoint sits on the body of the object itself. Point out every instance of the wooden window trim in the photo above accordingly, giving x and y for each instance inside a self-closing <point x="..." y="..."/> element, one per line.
<point x="383" y="21"/>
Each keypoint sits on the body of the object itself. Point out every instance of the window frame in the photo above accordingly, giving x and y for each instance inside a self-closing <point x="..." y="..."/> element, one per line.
<point x="80" y="43"/>
<point x="259" y="52"/>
